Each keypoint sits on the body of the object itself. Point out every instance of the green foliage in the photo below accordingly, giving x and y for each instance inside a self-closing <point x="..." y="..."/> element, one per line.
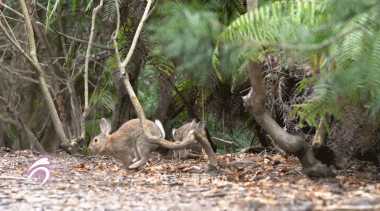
<point x="148" y="90"/>
<point x="229" y="63"/>
<point x="347" y="9"/>
<point x="227" y="10"/>
<point x="269" y="29"/>
<point x="92" y="129"/>
<point x="282" y="22"/>
<point x="186" y="35"/>
<point x="52" y="7"/>
<point x="275" y="22"/>
<point x="103" y="97"/>
<point x="339" y="38"/>
<point x="241" y="136"/>
<point x="351" y="74"/>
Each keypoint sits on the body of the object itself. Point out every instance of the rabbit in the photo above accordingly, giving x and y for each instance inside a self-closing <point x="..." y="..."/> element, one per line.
<point x="130" y="145"/>
<point x="122" y="144"/>
<point x="194" y="150"/>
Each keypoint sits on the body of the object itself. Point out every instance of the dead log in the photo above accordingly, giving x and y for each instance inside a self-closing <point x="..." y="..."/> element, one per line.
<point x="291" y="144"/>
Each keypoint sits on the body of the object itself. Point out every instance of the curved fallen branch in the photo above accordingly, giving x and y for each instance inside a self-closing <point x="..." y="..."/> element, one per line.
<point x="291" y="144"/>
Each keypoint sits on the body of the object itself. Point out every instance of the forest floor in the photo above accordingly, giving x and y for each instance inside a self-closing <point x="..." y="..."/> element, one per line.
<point x="262" y="181"/>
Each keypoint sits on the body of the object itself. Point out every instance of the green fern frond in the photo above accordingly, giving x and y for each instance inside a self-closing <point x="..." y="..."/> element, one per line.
<point x="350" y="73"/>
<point x="162" y="64"/>
<point x="260" y="31"/>
<point x="109" y="9"/>
<point x="354" y="79"/>
<point x="374" y="76"/>
<point x="354" y="44"/>
<point x="266" y="24"/>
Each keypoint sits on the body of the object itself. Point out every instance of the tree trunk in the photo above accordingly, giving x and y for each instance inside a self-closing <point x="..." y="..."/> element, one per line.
<point x="291" y="144"/>
<point x="264" y="141"/>
<point x="47" y="137"/>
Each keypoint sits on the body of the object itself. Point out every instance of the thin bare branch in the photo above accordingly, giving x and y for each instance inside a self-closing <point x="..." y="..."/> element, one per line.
<point x="88" y="52"/>
<point x="86" y="64"/>
<point x="18" y="74"/>
<point x="55" y="31"/>
<point x="8" y="26"/>
<point x="16" y="44"/>
<point x="11" y="9"/>
<point x="78" y="39"/>
<point x="122" y="65"/>
<point x="137" y="34"/>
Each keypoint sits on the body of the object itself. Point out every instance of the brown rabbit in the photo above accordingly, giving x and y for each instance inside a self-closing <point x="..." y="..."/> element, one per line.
<point x="129" y="143"/>
<point x="122" y="144"/>
<point x="194" y="150"/>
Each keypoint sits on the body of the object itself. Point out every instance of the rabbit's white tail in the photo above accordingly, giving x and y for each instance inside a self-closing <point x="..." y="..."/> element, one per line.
<point x="159" y="125"/>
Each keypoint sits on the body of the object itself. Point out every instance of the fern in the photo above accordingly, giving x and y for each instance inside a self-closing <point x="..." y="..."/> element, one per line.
<point x="261" y="32"/>
<point x="103" y="96"/>
<point x="109" y="10"/>
<point x="275" y="22"/>
<point x="353" y="77"/>
<point x="349" y="63"/>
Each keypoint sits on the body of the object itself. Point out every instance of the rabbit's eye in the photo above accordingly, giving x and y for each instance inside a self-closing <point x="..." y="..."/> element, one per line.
<point x="96" y="140"/>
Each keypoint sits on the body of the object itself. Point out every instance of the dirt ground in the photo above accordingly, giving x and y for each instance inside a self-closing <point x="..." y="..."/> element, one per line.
<point x="255" y="182"/>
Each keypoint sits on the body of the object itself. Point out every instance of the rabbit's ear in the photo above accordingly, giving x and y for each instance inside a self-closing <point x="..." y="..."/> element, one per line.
<point x="195" y="124"/>
<point x="192" y="123"/>
<point x="159" y="125"/>
<point x="173" y="132"/>
<point x="105" y="126"/>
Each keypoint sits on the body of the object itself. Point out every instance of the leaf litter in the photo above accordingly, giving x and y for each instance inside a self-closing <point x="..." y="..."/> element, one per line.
<point x="264" y="181"/>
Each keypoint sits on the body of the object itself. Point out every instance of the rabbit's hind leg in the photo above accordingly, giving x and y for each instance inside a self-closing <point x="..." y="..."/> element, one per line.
<point x="136" y="154"/>
<point x="143" y="151"/>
